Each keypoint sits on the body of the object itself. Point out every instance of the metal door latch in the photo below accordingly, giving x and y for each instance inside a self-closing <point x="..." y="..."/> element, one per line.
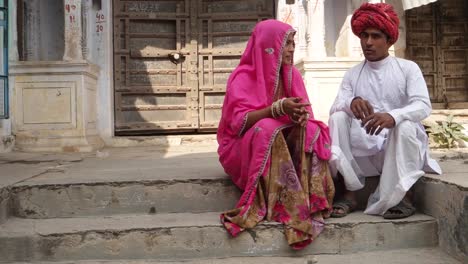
<point x="175" y="57"/>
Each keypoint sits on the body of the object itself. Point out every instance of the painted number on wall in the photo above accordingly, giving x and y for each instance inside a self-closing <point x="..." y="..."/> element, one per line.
<point x="99" y="28"/>
<point x="100" y="20"/>
<point x="70" y="8"/>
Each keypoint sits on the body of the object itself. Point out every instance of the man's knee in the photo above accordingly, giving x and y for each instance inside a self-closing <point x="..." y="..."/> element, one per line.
<point x="406" y="129"/>
<point x="340" y="117"/>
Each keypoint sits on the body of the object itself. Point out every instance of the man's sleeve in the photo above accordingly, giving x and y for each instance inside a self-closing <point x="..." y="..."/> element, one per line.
<point x="419" y="104"/>
<point x="344" y="97"/>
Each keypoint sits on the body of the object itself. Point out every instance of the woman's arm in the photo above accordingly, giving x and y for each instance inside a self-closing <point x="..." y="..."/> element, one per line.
<point x="254" y="116"/>
<point x="292" y="107"/>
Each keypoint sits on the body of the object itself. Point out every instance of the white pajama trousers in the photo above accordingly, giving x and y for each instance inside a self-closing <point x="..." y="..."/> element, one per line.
<point x="399" y="163"/>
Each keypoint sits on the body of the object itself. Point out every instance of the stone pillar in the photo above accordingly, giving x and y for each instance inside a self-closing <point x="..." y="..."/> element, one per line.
<point x="73" y="31"/>
<point x="348" y="45"/>
<point x="399" y="48"/>
<point x="13" y="41"/>
<point x="316" y="29"/>
<point x="32" y="29"/>
<point x="85" y="25"/>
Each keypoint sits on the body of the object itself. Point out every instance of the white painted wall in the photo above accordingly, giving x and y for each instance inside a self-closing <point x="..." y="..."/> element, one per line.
<point x="101" y="53"/>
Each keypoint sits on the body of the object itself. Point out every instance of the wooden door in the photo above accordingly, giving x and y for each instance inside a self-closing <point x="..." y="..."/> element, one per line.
<point x="437" y="39"/>
<point x="172" y="59"/>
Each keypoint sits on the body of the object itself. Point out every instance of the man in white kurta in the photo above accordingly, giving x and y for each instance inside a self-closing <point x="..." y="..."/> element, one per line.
<point x="375" y="121"/>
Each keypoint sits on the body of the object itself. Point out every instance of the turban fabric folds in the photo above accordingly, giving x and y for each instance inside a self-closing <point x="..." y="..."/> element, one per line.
<point x="380" y="16"/>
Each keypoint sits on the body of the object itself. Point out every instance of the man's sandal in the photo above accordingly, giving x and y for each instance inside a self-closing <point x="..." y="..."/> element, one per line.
<point x="401" y="210"/>
<point x="347" y="206"/>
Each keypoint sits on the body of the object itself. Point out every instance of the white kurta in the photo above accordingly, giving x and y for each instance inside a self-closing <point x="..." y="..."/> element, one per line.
<point x="400" y="155"/>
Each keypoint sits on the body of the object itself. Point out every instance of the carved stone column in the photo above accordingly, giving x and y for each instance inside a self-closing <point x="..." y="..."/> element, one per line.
<point x="13" y="54"/>
<point x="73" y="30"/>
<point x="316" y="29"/>
<point x="85" y="25"/>
<point x="32" y="29"/>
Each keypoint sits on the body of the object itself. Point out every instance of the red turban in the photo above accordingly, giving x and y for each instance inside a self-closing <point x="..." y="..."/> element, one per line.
<point x="380" y="16"/>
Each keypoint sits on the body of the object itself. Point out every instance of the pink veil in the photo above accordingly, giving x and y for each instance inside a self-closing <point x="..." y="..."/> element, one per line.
<point x="252" y="86"/>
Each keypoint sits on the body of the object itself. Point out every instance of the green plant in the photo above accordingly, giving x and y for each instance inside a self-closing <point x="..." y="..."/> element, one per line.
<point x="446" y="134"/>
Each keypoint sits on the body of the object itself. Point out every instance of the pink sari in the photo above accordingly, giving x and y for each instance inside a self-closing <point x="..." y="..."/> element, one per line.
<point x="246" y="155"/>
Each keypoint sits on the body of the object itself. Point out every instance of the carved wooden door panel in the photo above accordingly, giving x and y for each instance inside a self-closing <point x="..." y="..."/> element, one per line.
<point x="437" y="39"/>
<point x="224" y="29"/>
<point x="155" y="74"/>
<point x="172" y="59"/>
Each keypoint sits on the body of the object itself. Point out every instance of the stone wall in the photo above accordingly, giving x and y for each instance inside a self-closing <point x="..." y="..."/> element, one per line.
<point x="4" y="204"/>
<point x="445" y="197"/>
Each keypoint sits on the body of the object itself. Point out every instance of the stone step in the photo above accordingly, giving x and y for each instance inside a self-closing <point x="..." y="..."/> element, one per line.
<point x="131" y="197"/>
<point x="131" y="184"/>
<point x="192" y="236"/>
<point x="127" y="185"/>
<point x="399" y="256"/>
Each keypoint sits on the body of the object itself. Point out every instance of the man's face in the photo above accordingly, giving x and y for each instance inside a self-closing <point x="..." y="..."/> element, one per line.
<point x="374" y="44"/>
<point x="288" y="50"/>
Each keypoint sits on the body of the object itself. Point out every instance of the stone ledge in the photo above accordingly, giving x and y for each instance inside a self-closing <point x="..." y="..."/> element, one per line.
<point x="399" y="256"/>
<point x="182" y="236"/>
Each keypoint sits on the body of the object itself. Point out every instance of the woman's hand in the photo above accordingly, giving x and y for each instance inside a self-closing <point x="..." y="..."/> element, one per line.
<point x="296" y="110"/>
<point x="302" y="120"/>
<point x="292" y="105"/>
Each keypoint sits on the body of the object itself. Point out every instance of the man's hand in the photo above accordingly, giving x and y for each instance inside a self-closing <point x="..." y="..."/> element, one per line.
<point x="375" y="123"/>
<point x="361" y="108"/>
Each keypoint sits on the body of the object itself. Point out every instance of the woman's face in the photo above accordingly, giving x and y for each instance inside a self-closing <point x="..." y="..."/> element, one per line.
<point x="288" y="51"/>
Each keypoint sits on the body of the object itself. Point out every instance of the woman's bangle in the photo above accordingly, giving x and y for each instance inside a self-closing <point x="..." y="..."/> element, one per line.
<point x="277" y="108"/>
<point x="281" y="106"/>
<point x="273" y="114"/>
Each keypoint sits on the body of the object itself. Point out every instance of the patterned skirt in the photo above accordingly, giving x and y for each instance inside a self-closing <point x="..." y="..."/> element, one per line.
<point x="297" y="191"/>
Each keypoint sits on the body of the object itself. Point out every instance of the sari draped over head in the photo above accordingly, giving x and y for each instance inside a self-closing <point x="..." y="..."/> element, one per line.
<point x="253" y="85"/>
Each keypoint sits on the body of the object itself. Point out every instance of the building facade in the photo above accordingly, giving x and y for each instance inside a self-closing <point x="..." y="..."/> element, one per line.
<point x="86" y="73"/>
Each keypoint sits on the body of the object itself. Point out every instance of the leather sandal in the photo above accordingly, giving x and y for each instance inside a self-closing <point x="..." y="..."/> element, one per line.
<point x="347" y="206"/>
<point x="401" y="210"/>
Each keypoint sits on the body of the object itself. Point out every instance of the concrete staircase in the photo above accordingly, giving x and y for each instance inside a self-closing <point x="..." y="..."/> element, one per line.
<point x="151" y="206"/>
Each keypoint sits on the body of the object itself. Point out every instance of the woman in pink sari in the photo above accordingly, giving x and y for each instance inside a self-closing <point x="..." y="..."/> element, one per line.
<point x="270" y="143"/>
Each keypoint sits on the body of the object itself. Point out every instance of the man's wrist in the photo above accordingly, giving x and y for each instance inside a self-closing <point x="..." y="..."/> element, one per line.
<point x="394" y="121"/>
